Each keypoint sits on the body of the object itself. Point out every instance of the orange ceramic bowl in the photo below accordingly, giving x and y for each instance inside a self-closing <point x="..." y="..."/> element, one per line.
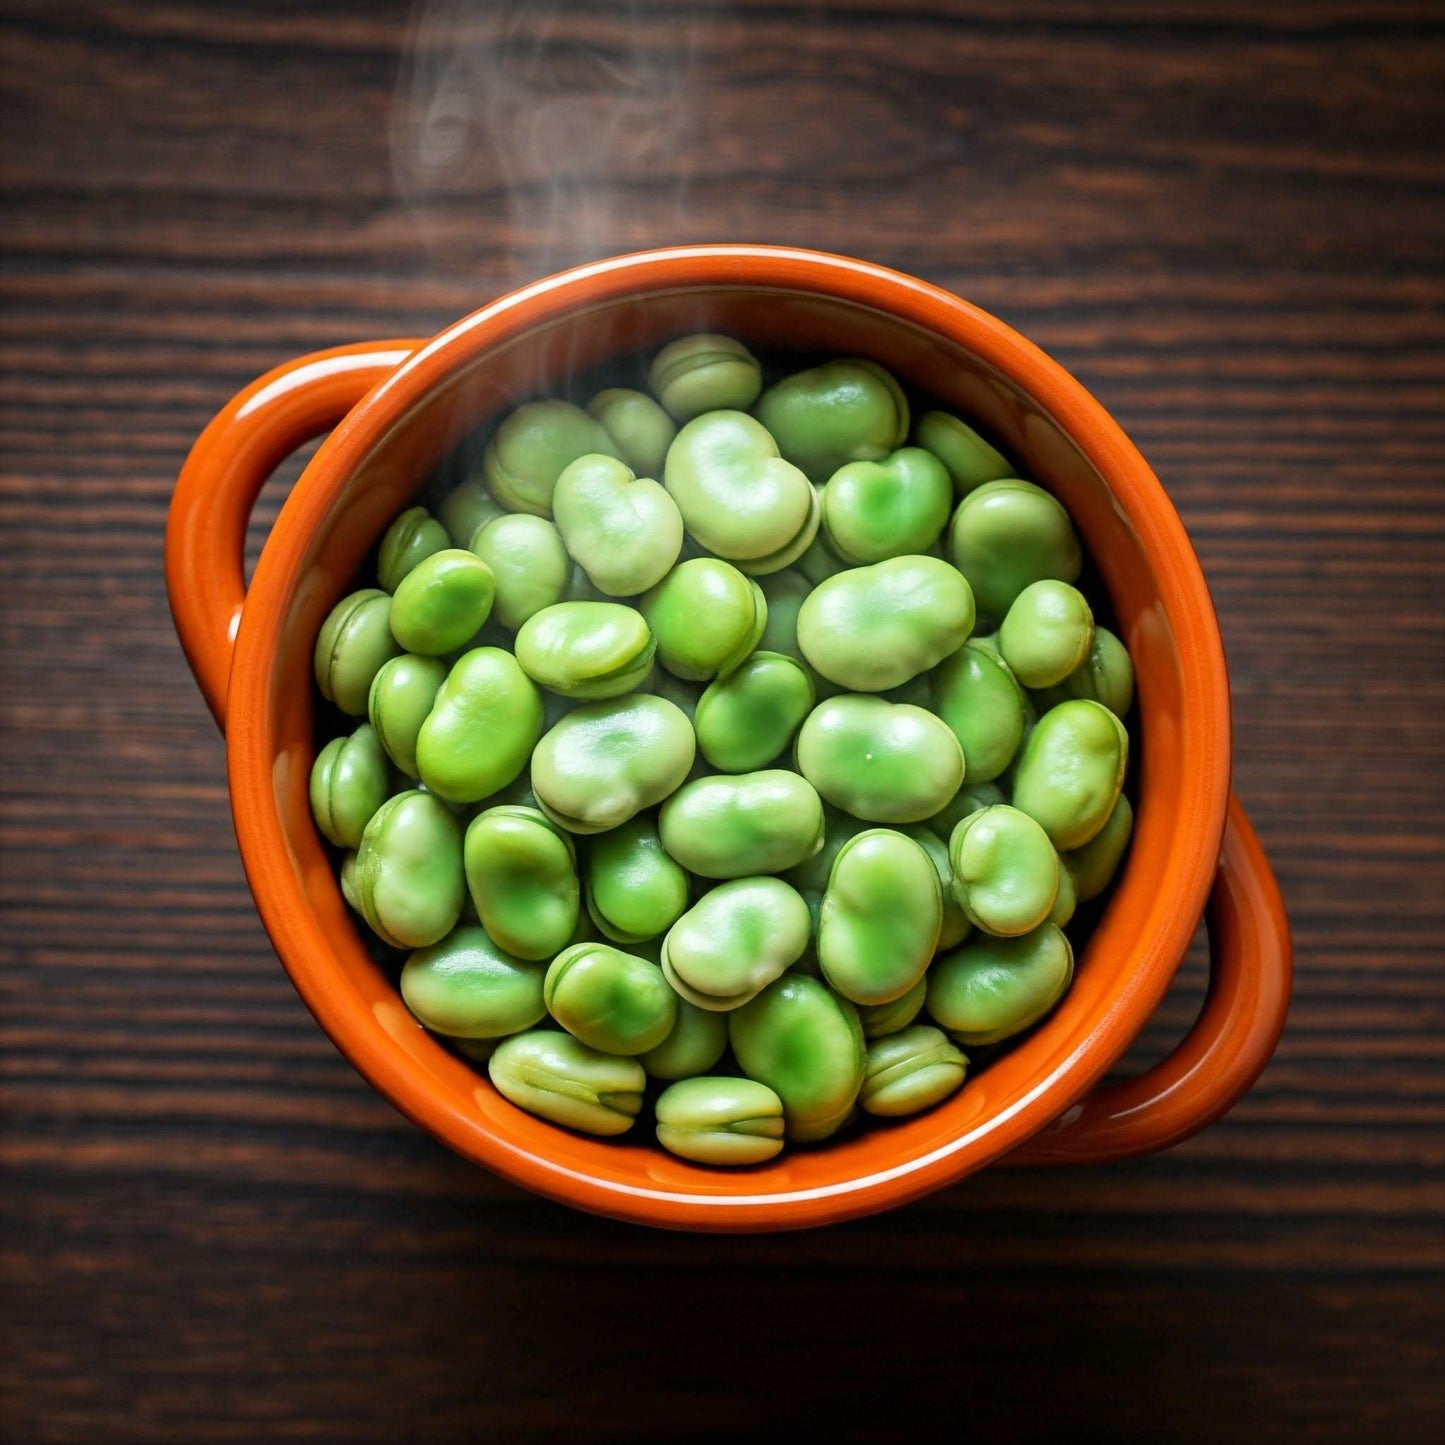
<point x="398" y="407"/>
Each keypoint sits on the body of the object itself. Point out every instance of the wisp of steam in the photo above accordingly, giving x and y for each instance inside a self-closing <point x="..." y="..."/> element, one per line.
<point x="569" y="122"/>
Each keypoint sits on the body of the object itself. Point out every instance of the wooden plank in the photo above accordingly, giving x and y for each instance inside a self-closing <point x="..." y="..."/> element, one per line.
<point x="1226" y="218"/>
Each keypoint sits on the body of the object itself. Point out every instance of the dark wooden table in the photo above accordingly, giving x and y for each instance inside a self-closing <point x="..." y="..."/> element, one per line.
<point x="1225" y="218"/>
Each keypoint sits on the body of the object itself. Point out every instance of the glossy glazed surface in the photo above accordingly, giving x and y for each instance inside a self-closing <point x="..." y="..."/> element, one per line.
<point x="367" y="471"/>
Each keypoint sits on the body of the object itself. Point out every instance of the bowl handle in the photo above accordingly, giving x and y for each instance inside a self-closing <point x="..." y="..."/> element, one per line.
<point x="1250" y="966"/>
<point x="243" y="444"/>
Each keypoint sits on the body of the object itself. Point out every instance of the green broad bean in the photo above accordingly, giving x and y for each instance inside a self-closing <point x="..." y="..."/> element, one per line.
<point x="1092" y="865"/>
<point x="350" y="780"/>
<point x="746" y="719"/>
<point x="347" y="879"/>
<point x="1047" y="633"/>
<point x="698" y="1040"/>
<point x="1071" y="770"/>
<point x="706" y="616"/>
<point x="955" y="925"/>
<point x="1008" y="534"/>
<point x="806" y="1044"/>
<point x="1106" y="676"/>
<point x="977" y="695"/>
<point x="839" y="412"/>
<point x="970" y="460"/>
<point x="704" y="372"/>
<point x="402" y="695"/>
<point x="529" y="564"/>
<point x="467" y="987"/>
<point x="881" y="1019"/>
<point x="720" y="1121"/>
<point x="612" y="1001"/>
<point x="641" y="430"/>
<point x="784" y="592"/>
<point x="412" y="538"/>
<point x="737" y="496"/>
<point x="607" y="761"/>
<point x="442" y="602"/>
<point x="734" y="941"/>
<point x="558" y="1078"/>
<point x="624" y="530"/>
<point x="635" y="889"/>
<point x="1005" y="870"/>
<point x="886" y="762"/>
<point x="808" y="963"/>
<point x="482" y="728"/>
<point x="993" y="988"/>
<point x="1066" y="901"/>
<point x="522" y="876"/>
<point x="408" y="875"/>
<point x="910" y="1071"/>
<point x="466" y="509"/>
<point x="874" y="628"/>
<point x="890" y="508"/>
<point x="900" y="397"/>
<point x="880" y="917"/>
<point x="586" y="650"/>
<point x="532" y="448"/>
<point x="354" y="642"/>
<point x="738" y="825"/>
<point x="968" y="799"/>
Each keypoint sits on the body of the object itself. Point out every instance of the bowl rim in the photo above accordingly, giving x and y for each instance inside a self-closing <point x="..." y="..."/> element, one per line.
<point x="265" y="853"/>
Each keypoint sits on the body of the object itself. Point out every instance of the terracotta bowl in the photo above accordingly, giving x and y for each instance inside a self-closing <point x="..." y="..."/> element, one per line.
<point x="395" y="408"/>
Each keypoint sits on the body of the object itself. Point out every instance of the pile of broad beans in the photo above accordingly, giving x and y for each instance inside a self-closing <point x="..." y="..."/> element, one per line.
<point x="716" y="736"/>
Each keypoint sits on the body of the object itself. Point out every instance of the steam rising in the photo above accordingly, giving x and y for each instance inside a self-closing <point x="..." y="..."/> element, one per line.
<point x="574" y="123"/>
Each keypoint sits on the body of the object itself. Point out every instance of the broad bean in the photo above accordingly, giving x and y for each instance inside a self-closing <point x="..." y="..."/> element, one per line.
<point x="720" y="1121"/>
<point x="586" y="650"/>
<point x="994" y="988"/>
<point x="734" y="941"/>
<point x="887" y="762"/>
<point x="805" y="1043"/>
<point x="354" y="642"/>
<point x="737" y="496"/>
<point x="610" y="1000"/>
<point x="1071" y="770"/>
<point x="522" y="875"/>
<point x="624" y="530"/>
<point x="741" y="824"/>
<point x="532" y="448"/>
<point x="469" y="988"/>
<point x="482" y="728"/>
<point x="529" y="565"/>
<point x="873" y="628"/>
<point x="910" y="1071"/>
<point x="408" y="876"/>
<point x="880" y="917"/>
<point x="607" y="761"/>
<point x="557" y="1077"/>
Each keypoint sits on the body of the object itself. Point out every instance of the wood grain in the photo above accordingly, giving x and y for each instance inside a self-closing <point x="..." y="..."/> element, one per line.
<point x="1227" y="219"/>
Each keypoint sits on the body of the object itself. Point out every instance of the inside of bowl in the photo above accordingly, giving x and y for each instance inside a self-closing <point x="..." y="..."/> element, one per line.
<point x="1123" y="954"/>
